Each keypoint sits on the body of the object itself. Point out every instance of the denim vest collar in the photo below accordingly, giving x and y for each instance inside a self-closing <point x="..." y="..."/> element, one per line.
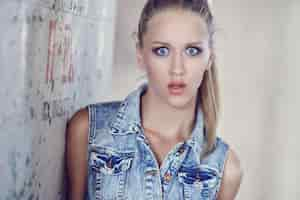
<point x="128" y="121"/>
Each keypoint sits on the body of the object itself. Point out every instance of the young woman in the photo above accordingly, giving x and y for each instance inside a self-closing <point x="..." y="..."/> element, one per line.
<point x="159" y="142"/>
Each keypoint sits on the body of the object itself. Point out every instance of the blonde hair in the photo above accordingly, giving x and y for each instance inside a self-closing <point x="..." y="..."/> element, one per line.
<point x="209" y="96"/>
<point x="208" y="92"/>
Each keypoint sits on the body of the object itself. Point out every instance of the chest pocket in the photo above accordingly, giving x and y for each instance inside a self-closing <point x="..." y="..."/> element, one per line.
<point x="198" y="182"/>
<point x="109" y="170"/>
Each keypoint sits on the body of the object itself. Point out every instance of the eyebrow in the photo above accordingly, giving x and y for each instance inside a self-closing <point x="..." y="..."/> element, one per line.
<point x="165" y="43"/>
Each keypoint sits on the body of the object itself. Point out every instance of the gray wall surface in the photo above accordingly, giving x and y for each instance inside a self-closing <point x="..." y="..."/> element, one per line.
<point x="55" y="57"/>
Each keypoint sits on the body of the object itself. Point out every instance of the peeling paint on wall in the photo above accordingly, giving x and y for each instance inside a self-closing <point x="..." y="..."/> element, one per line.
<point x="59" y="52"/>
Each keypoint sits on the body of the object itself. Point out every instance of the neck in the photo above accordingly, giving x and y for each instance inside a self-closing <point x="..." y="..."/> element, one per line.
<point x="169" y="121"/>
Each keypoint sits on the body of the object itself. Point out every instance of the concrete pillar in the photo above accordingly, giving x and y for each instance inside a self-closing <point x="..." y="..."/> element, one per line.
<point x="55" y="57"/>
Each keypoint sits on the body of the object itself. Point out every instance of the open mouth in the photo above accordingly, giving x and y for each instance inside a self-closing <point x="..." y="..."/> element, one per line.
<point x="176" y="88"/>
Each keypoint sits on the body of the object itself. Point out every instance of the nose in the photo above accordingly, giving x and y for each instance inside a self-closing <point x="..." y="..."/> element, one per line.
<point x="177" y="65"/>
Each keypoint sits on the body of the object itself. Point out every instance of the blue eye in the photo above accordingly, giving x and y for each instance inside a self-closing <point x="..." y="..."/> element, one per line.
<point x="193" y="51"/>
<point x="161" y="51"/>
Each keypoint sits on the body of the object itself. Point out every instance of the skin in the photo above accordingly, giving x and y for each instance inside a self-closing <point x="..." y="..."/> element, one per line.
<point x="178" y="34"/>
<point x="172" y="50"/>
<point x="76" y="154"/>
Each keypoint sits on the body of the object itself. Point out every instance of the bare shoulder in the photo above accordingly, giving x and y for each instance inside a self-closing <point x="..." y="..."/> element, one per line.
<point x="78" y="125"/>
<point x="76" y="153"/>
<point x="232" y="177"/>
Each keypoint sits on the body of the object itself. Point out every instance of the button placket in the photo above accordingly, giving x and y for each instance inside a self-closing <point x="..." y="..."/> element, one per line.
<point x="175" y="159"/>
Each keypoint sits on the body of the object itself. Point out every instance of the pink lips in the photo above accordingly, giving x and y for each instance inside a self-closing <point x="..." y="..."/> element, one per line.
<point x="176" y="88"/>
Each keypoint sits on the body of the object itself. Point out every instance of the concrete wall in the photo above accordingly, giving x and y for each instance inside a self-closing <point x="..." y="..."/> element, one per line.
<point x="257" y="48"/>
<point x="55" y="57"/>
<point x="259" y="68"/>
<point x="125" y="69"/>
<point x="249" y="38"/>
<point x="287" y="148"/>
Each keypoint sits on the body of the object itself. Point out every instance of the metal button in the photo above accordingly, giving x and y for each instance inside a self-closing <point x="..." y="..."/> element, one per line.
<point x="167" y="177"/>
<point x="181" y="150"/>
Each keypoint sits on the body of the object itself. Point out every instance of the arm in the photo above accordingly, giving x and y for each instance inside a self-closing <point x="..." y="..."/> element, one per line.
<point x="76" y="154"/>
<point x="232" y="177"/>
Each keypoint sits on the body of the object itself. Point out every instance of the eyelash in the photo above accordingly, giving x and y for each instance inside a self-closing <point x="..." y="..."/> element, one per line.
<point x="155" y="50"/>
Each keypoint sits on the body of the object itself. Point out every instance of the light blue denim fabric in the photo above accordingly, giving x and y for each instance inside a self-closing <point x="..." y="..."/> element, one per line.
<point x="121" y="164"/>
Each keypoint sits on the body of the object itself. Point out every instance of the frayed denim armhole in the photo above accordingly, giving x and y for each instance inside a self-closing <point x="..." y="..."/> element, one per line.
<point x="91" y="131"/>
<point x="92" y="123"/>
<point x="225" y="147"/>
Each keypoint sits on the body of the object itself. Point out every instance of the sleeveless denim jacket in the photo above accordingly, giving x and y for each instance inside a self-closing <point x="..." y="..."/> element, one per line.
<point x="122" y="166"/>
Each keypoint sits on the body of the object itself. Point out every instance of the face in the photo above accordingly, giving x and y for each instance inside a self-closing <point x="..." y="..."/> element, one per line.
<point x="175" y="50"/>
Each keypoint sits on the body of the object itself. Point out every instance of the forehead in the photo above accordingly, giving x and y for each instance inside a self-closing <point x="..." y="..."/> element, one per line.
<point x="176" y="26"/>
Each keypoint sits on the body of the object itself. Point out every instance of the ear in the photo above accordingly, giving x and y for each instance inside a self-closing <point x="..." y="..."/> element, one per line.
<point x="139" y="57"/>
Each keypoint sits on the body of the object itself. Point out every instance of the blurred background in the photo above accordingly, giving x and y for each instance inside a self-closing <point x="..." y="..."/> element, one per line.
<point x="57" y="56"/>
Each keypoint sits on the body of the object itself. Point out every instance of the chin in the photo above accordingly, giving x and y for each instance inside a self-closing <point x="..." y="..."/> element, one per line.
<point x="180" y="102"/>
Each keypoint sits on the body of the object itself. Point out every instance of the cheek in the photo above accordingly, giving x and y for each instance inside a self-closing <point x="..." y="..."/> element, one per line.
<point x="197" y="66"/>
<point x="196" y="75"/>
<point x="155" y="67"/>
<point x="198" y="79"/>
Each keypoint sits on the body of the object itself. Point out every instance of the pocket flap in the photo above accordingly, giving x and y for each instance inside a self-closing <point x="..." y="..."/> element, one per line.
<point x="110" y="162"/>
<point x="198" y="176"/>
